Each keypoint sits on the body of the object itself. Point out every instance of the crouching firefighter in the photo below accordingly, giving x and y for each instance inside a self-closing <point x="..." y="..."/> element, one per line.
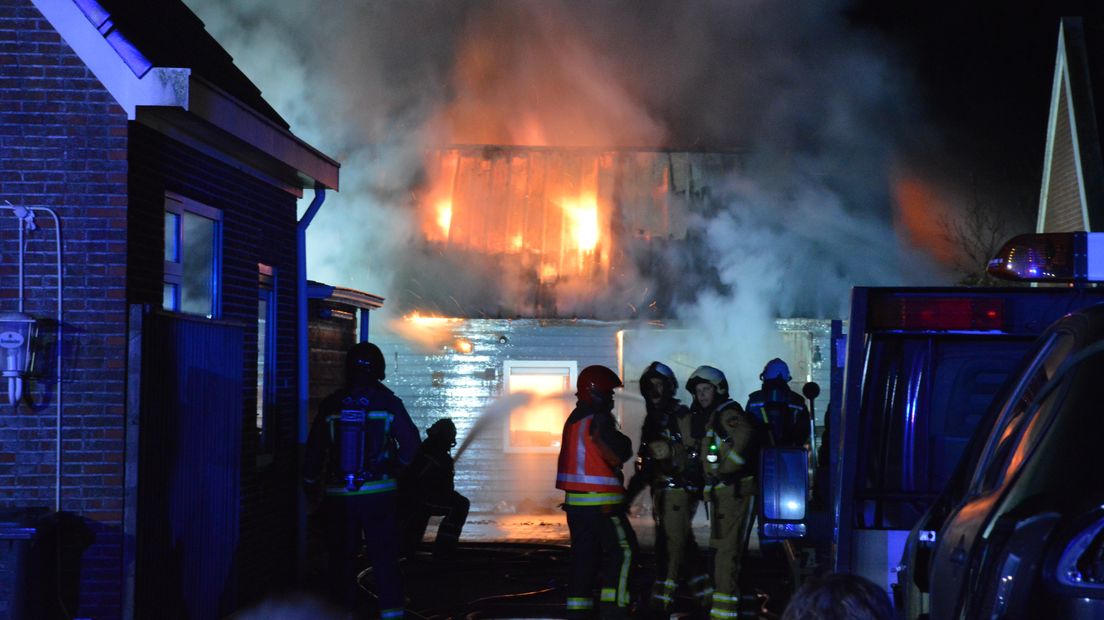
<point x="427" y="488"/>
<point x="592" y="452"/>
<point x="360" y="439"/>
<point x="728" y="454"/>
<point x="670" y="440"/>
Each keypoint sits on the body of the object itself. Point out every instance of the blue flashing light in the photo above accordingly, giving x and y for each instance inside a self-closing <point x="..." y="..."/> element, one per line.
<point x="1050" y="257"/>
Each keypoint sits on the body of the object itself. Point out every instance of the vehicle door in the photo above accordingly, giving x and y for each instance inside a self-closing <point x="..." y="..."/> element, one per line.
<point x="956" y="542"/>
<point x="912" y="587"/>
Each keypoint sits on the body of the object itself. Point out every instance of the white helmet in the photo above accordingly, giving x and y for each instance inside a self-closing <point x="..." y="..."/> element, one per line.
<point x="708" y="374"/>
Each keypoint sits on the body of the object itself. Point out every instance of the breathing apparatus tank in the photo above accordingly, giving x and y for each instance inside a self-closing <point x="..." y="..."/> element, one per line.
<point x="350" y="438"/>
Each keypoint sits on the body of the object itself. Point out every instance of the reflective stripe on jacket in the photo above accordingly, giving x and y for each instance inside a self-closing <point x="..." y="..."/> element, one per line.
<point x="581" y="467"/>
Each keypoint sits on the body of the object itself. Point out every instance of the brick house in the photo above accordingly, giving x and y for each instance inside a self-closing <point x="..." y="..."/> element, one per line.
<point x="166" y="422"/>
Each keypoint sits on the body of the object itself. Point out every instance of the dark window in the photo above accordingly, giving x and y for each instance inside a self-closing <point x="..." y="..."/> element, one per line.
<point x="192" y="245"/>
<point x="995" y="465"/>
<point x="922" y="400"/>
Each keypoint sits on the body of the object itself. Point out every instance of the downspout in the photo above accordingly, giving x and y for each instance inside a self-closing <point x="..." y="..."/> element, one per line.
<point x="303" y="349"/>
<point x="301" y="313"/>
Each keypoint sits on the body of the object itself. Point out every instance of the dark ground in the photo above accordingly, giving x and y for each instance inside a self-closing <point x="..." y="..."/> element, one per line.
<point x="516" y="566"/>
<point x="526" y="580"/>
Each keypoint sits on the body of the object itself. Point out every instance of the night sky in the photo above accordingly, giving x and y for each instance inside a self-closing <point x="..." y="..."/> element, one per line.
<point x="984" y="75"/>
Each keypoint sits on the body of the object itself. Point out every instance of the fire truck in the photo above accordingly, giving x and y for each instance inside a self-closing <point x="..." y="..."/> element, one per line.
<point x="913" y="378"/>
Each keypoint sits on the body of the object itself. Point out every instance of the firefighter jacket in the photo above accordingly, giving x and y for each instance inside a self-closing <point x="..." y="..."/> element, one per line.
<point x="730" y="448"/>
<point x="388" y="443"/>
<point x="671" y="446"/>
<point x="591" y="454"/>
<point x="782" y="413"/>
<point x="430" y="477"/>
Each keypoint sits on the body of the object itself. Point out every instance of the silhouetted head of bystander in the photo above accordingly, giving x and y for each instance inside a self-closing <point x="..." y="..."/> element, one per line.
<point x="839" y="596"/>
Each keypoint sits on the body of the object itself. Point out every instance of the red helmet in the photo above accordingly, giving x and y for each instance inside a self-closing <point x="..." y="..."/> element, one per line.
<point x="595" y="385"/>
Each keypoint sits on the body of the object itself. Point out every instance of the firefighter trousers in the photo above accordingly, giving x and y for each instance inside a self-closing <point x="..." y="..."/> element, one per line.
<point x="681" y="562"/>
<point x="374" y="517"/>
<point x="453" y="507"/>
<point x="602" y="548"/>
<point x="729" y="515"/>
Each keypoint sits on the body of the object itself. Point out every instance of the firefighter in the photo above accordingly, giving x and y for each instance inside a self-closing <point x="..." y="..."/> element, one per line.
<point x="360" y="439"/>
<point x="781" y="410"/>
<point x="786" y="422"/>
<point x="592" y="452"/>
<point x="427" y="489"/>
<point x="668" y="454"/>
<point x="728" y="453"/>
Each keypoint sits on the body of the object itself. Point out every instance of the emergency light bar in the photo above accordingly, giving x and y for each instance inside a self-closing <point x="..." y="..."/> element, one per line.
<point x="949" y="313"/>
<point x="1076" y="257"/>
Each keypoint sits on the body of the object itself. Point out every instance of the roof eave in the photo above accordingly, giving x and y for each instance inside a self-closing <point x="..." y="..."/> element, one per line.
<point x="177" y="87"/>
<point x="352" y="297"/>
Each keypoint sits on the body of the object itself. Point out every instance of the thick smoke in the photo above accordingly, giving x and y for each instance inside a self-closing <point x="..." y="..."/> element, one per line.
<point x="821" y="111"/>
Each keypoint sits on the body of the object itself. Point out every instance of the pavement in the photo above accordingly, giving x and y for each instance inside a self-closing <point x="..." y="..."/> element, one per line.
<point x="516" y="565"/>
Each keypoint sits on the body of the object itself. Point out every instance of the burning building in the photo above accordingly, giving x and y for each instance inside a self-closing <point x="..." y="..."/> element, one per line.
<point x="564" y="231"/>
<point x="558" y="240"/>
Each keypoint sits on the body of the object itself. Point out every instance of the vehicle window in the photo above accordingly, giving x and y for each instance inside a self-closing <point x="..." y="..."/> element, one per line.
<point x="922" y="400"/>
<point x="1087" y="362"/>
<point x="991" y="469"/>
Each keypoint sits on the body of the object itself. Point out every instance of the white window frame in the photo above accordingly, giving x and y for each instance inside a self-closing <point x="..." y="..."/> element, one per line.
<point x="173" y="271"/>
<point x="266" y="379"/>
<point x="508" y="368"/>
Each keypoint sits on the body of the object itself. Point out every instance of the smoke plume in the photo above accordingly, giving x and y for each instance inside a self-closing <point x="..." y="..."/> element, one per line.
<point x="820" y="111"/>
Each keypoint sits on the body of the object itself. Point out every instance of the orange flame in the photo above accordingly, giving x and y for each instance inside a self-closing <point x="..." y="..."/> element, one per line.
<point x="431" y="333"/>
<point x="548" y="272"/>
<point x="444" y="216"/>
<point x="583" y="215"/>
<point x="921" y="211"/>
<point x="430" y="320"/>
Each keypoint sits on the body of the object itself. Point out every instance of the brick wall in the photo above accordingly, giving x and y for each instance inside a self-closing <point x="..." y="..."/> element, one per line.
<point x="63" y="146"/>
<point x="258" y="226"/>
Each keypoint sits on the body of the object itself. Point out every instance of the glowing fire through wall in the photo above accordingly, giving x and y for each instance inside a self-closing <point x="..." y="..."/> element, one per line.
<point x="549" y="208"/>
<point x="561" y="219"/>
<point x="583" y="214"/>
<point x="537" y="425"/>
<point x="444" y="217"/>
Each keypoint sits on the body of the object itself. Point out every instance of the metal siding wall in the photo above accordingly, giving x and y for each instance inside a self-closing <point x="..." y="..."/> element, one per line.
<point x="435" y="381"/>
<point x="189" y="477"/>
<point x="468" y="383"/>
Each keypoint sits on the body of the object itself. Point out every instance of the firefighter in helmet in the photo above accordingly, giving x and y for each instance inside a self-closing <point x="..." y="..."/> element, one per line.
<point x="781" y="410"/>
<point x="668" y="462"/>
<point x="360" y="439"/>
<point x="786" y="423"/>
<point x="592" y="452"/>
<point x="427" y="489"/>
<point x="728" y="454"/>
